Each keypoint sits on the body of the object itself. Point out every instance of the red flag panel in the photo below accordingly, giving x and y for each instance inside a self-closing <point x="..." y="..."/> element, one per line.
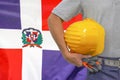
<point x="10" y="64"/>
<point x="47" y="6"/>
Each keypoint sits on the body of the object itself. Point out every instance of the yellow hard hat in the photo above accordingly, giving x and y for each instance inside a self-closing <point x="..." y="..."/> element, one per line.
<point x="85" y="37"/>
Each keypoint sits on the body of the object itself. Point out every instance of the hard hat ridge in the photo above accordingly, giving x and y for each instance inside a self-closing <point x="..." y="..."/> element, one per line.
<point x="85" y="37"/>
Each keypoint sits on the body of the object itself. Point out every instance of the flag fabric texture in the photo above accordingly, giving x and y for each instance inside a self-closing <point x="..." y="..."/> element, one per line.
<point x="27" y="50"/>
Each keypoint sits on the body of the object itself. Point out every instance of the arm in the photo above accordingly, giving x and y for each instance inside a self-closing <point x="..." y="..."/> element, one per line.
<point x="56" y="29"/>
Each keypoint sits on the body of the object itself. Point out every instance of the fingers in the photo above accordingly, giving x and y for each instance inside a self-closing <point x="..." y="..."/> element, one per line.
<point x="76" y="61"/>
<point x="75" y="58"/>
<point x="79" y="64"/>
<point x="79" y="60"/>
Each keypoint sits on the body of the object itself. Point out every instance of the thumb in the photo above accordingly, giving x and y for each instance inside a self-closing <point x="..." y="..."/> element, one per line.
<point x="86" y="56"/>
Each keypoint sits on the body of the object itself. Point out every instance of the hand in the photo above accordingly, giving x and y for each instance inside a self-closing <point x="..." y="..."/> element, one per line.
<point x="75" y="58"/>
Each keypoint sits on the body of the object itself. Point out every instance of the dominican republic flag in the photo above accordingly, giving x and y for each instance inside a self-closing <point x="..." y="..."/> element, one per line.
<point x="27" y="50"/>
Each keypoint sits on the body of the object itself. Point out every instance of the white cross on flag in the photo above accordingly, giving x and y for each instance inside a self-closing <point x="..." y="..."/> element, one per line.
<point x="27" y="50"/>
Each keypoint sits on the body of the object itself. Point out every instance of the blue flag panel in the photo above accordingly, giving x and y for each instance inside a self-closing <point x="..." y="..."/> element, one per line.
<point x="10" y="14"/>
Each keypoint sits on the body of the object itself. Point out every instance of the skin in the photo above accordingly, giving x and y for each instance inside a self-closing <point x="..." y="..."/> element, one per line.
<point x="57" y="32"/>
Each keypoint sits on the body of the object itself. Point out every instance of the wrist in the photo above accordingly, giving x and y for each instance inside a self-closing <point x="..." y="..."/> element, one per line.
<point x="65" y="54"/>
